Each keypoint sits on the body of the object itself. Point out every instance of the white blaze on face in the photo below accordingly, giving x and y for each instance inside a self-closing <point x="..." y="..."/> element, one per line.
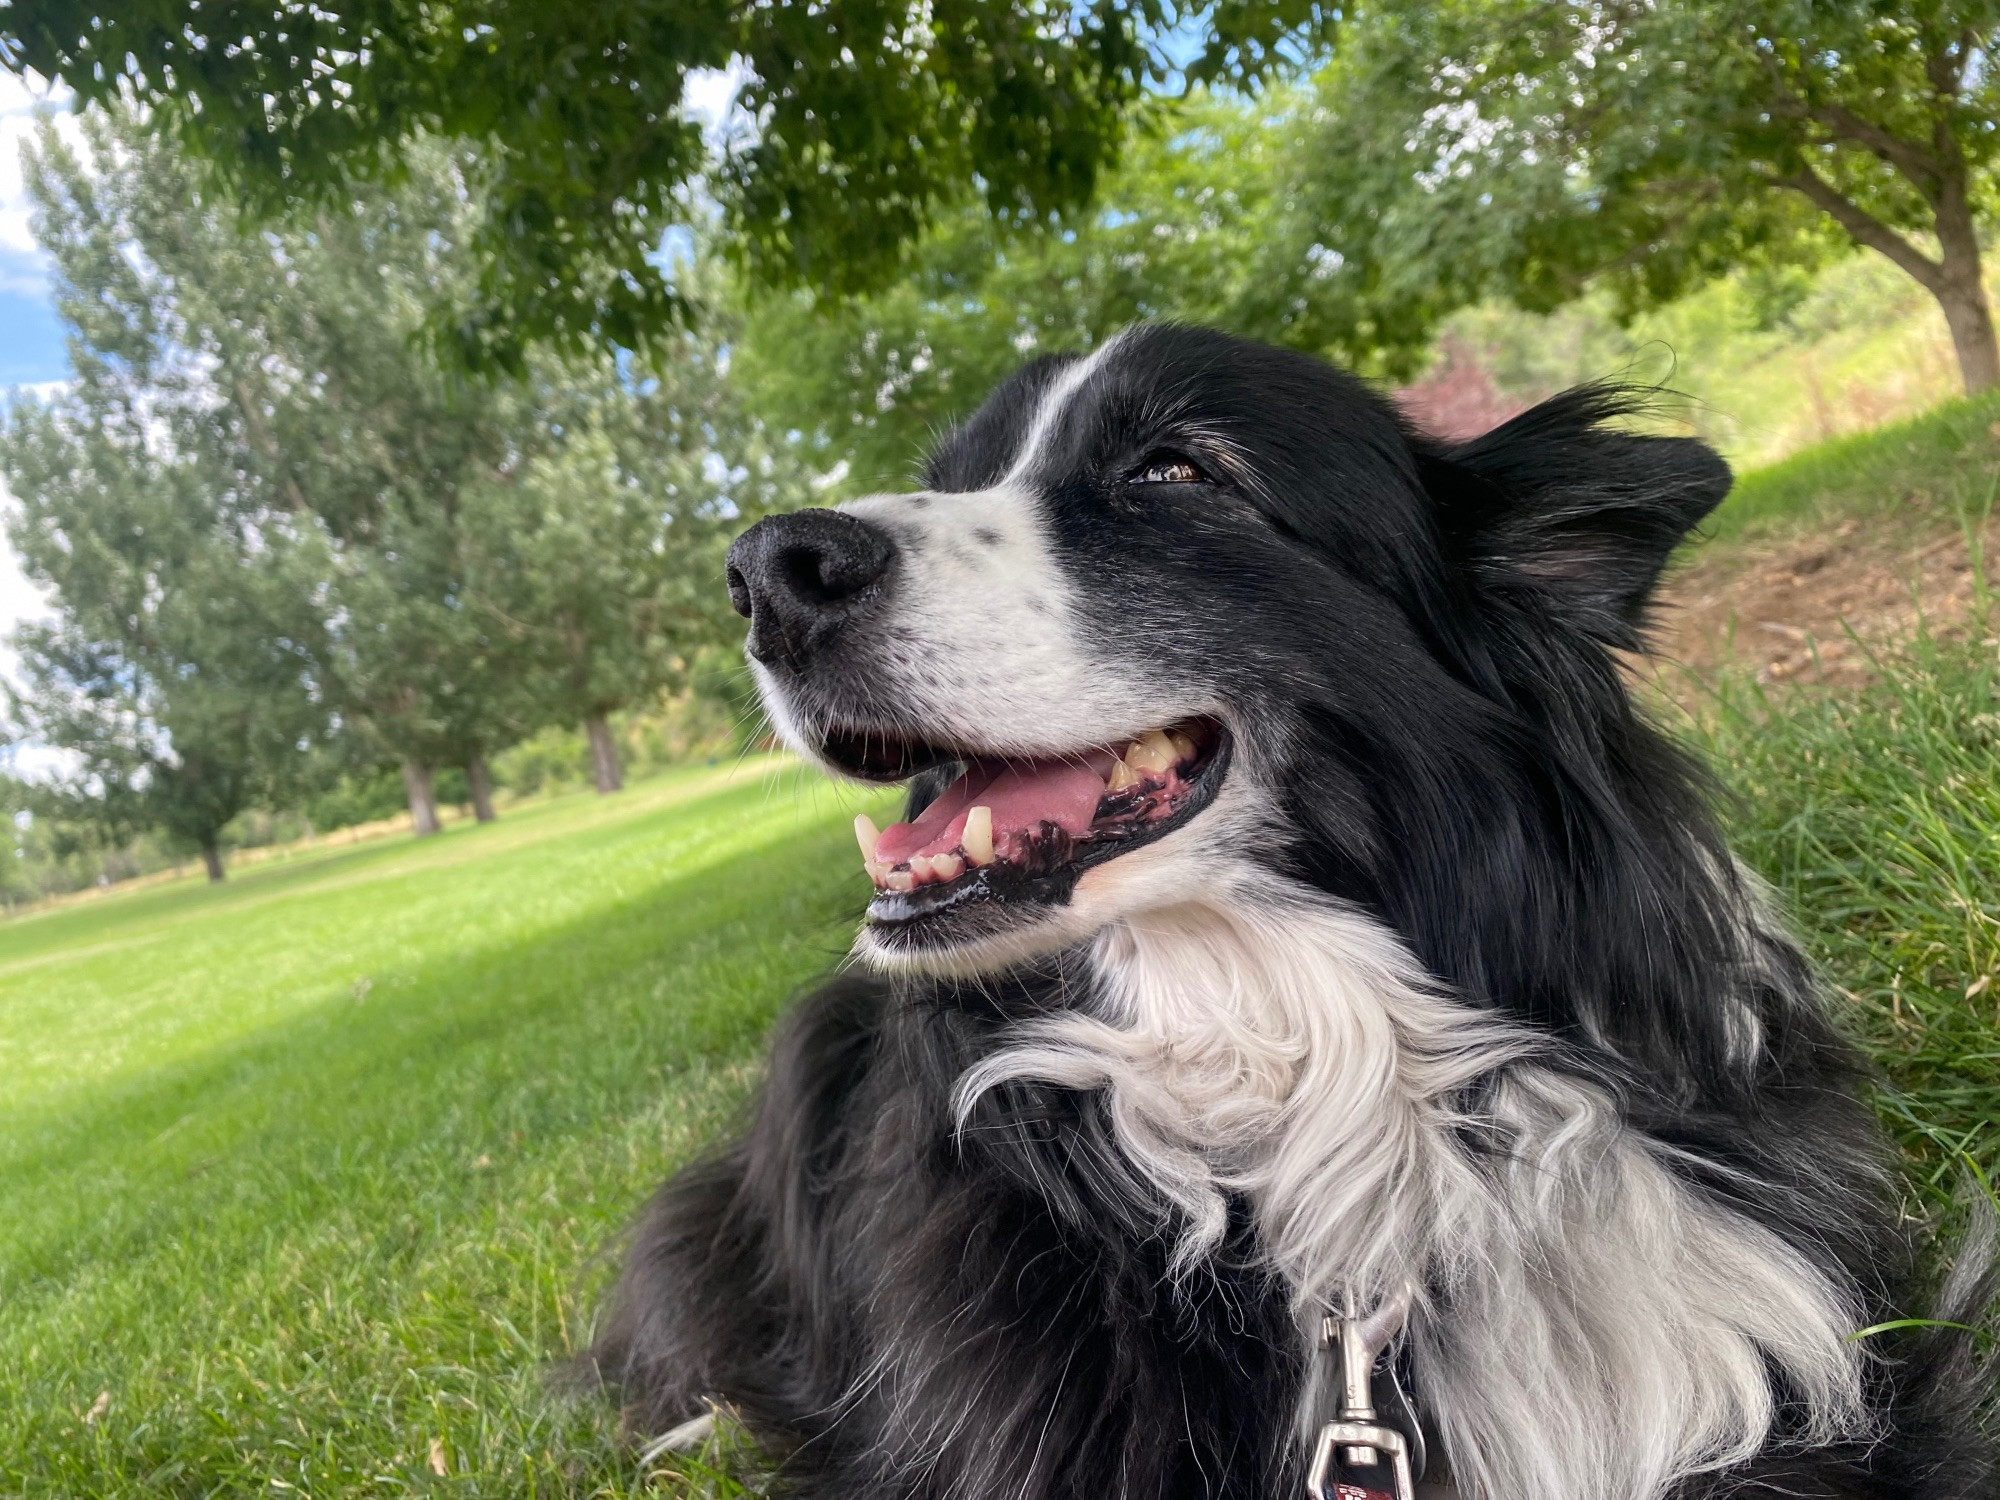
<point x="979" y="637"/>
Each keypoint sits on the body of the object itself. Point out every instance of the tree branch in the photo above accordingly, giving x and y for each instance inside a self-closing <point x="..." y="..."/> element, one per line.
<point x="1864" y="227"/>
<point x="1924" y="170"/>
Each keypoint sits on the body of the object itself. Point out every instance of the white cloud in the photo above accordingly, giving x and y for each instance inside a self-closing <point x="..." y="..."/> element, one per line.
<point x="23" y="102"/>
<point x="39" y="390"/>
<point x="23" y="273"/>
<point x="22" y="600"/>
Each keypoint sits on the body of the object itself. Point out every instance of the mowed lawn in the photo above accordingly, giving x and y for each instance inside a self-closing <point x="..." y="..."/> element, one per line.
<point x="307" y="1181"/>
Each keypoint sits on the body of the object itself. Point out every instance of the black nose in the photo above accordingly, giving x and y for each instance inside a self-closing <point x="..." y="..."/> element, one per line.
<point x="799" y="578"/>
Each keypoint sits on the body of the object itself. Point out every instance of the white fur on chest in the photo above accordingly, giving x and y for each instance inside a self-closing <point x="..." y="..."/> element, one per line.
<point x="1588" y="1328"/>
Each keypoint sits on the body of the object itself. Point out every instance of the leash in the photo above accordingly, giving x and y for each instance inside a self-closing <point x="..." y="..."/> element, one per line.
<point x="1359" y="1443"/>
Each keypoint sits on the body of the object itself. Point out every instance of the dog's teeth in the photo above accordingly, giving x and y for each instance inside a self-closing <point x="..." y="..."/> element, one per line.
<point x="1183" y="746"/>
<point x="978" y="837"/>
<point x="947" y="866"/>
<point x="1122" y="777"/>
<point x="877" y="871"/>
<point x="1152" y="751"/>
<point x="867" y="835"/>
<point x="900" y="881"/>
<point x="920" y="867"/>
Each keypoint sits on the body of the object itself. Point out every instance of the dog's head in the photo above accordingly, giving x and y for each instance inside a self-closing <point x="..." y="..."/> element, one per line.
<point x="1188" y="603"/>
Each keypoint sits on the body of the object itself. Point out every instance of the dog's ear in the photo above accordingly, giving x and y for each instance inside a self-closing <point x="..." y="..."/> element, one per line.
<point x="1559" y="512"/>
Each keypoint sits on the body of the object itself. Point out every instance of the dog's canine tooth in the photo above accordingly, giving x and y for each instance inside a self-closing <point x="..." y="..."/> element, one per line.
<point x="1122" y="778"/>
<point x="867" y="835"/>
<point x="977" y="839"/>
<point x="1152" y="751"/>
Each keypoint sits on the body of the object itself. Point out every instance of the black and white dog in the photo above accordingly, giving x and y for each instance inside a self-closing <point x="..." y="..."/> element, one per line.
<point x="1294" y="914"/>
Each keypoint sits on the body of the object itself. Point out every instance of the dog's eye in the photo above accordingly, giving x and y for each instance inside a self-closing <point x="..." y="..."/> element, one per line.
<point x="1168" y="468"/>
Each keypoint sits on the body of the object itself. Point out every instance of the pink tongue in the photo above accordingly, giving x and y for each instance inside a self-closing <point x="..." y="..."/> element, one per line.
<point x="1021" y="796"/>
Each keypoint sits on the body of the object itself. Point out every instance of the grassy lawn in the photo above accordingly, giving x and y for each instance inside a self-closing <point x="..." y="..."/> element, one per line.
<point x="307" y="1178"/>
<point x="1875" y="813"/>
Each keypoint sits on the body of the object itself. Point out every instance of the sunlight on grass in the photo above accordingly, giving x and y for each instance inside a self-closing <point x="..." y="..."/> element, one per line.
<point x="310" y="1177"/>
<point x="1903" y="469"/>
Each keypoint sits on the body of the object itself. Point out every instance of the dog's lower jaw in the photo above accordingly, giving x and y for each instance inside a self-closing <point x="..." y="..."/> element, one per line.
<point x="1175" y="871"/>
<point x="1590" y="1326"/>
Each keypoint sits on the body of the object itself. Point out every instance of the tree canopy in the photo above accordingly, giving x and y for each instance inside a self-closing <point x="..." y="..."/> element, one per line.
<point x="282" y="542"/>
<point x="866" y="117"/>
<point x="1192" y="224"/>
<point x="1516" y="148"/>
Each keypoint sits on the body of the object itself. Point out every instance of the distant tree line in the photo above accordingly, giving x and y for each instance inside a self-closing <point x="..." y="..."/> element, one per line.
<point x="283" y="545"/>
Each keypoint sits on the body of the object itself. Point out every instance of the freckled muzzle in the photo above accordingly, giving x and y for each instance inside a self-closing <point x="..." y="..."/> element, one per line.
<point x="894" y="647"/>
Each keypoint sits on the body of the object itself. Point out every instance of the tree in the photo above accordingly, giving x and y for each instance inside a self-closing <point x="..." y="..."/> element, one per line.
<point x="285" y="362"/>
<point x="468" y="560"/>
<point x="183" y="669"/>
<point x="1518" y="148"/>
<point x="602" y="558"/>
<point x="1194" y="224"/>
<point x="178" y="671"/>
<point x="867" y="117"/>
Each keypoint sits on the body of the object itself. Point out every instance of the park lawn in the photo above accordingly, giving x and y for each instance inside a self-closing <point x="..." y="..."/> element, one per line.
<point x="309" y="1179"/>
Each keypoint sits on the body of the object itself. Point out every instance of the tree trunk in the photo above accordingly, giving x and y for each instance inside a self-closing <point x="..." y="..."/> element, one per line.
<point x="1960" y="291"/>
<point x="422" y="792"/>
<point x="211" y="857"/>
<point x="1953" y="278"/>
<point x="603" y="755"/>
<point x="479" y="781"/>
<point x="1970" y="319"/>
<point x="1962" y="295"/>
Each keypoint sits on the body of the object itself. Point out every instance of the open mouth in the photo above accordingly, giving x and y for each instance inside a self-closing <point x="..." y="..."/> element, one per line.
<point x="1016" y="830"/>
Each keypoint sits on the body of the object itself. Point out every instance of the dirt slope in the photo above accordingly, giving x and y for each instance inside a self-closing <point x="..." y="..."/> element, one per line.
<point x="1784" y="606"/>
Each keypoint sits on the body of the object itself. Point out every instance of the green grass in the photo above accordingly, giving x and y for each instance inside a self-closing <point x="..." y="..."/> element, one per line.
<point x="309" y="1178"/>
<point x="1876" y="815"/>
<point x="1897" y="473"/>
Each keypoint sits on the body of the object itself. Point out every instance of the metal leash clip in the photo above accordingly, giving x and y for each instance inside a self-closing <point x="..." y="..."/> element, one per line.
<point x="1357" y="1438"/>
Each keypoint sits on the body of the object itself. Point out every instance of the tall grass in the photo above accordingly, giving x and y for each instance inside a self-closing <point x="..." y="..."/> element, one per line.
<point x="1876" y="815"/>
<point x="1902" y="471"/>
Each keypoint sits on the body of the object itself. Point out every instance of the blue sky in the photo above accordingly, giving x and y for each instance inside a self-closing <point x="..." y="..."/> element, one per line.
<point x="31" y="346"/>
<point x="31" y="343"/>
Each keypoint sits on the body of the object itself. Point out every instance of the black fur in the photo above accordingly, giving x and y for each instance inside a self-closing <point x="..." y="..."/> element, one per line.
<point x="907" y="1310"/>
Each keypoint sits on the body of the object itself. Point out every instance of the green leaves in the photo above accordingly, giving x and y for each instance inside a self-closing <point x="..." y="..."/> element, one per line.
<point x="863" y="120"/>
<point x="1192" y="225"/>
<point x="283" y="543"/>
<point x="1511" y="148"/>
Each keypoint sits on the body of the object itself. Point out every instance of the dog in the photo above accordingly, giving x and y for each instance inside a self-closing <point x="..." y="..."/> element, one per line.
<point x="1295" y="927"/>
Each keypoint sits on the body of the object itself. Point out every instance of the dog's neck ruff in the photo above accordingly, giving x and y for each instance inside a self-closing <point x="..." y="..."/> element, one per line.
<point x="1588" y="1326"/>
